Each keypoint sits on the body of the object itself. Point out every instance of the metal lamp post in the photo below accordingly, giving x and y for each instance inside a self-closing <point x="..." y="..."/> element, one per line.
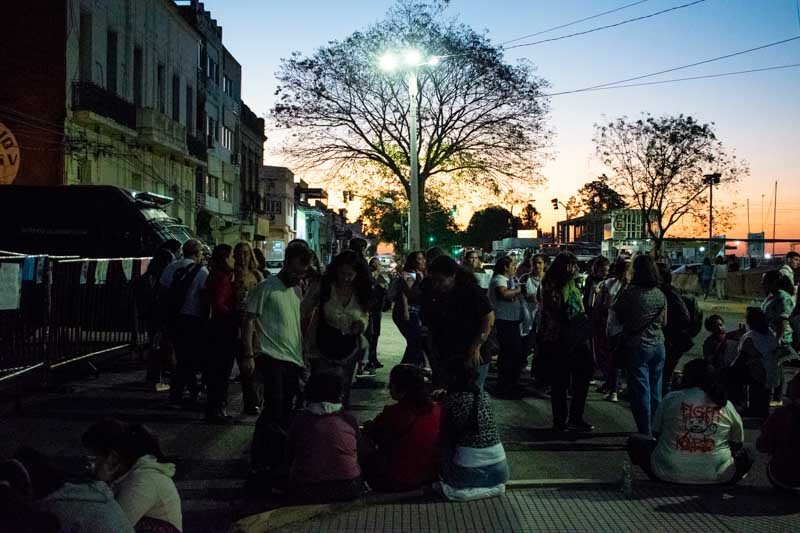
<point x="410" y="60"/>
<point x="711" y="180"/>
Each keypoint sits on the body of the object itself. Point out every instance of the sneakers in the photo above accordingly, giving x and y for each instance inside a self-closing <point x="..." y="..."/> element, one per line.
<point x="612" y="397"/>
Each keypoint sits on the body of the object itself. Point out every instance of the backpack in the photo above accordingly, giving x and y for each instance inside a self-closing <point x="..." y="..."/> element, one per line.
<point x="695" y="316"/>
<point x="175" y="296"/>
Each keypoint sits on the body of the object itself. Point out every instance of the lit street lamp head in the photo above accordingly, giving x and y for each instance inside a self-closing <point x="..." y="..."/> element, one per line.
<point x="412" y="57"/>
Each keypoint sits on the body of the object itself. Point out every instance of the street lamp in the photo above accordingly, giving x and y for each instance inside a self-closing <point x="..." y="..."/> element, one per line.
<point x="711" y="180"/>
<point x="410" y="60"/>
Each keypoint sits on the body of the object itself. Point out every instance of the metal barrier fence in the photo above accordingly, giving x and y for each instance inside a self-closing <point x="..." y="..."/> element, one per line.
<point x="58" y="310"/>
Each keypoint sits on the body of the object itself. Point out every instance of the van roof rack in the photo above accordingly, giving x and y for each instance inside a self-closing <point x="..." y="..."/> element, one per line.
<point x="152" y="198"/>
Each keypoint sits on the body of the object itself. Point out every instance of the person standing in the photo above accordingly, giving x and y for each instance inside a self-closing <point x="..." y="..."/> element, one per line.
<point x="377" y="305"/>
<point x="261" y="262"/>
<point x="721" y="278"/>
<point x="336" y="335"/>
<point x="531" y="288"/>
<point x="246" y="275"/>
<point x="642" y="310"/>
<point x="506" y="299"/>
<point x="187" y="311"/>
<point x="406" y="311"/>
<point x="472" y="263"/>
<point x="605" y="317"/>
<point x="223" y="332"/>
<point x="706" y="276"/>
<point x="564" y="335"/>
<point x="791" y="267"/>
<point x="778" y="304"/>
<point x="677" y="340"/>
<point x="466" y="322"/>
<point x="272" y="322"/>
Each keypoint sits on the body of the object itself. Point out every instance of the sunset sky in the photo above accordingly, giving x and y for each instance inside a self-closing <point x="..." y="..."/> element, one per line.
<point x="758" y="114"/>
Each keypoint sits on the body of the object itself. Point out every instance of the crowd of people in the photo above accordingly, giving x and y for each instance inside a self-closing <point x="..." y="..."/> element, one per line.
<point x="300" y="337"/>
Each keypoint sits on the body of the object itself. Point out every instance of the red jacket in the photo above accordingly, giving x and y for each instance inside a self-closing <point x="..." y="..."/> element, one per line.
<point x="221" y="295"/>
<point x="410" y="437"/>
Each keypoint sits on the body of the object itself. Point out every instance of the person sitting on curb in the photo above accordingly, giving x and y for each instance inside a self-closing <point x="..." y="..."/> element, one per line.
<point x="129" y="458"/>
<point x="699" y="434"/>
<point x="79" y="506"/>
<point x="474" y="461"/>
<point x="780" y="438"/>
<point x="322" y="445"/>
<point x="405" y="434"/>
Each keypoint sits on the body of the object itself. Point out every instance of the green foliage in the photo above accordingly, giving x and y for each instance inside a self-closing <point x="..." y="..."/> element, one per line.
<point x="490" y="224"/>
<point x="598" y="196"/>
<point x="480" y="119"/>
<point x="659" y="163"/>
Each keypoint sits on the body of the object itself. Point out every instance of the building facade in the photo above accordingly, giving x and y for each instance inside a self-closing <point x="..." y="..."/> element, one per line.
<point x="252" y="203"/>
<point x="279" y="197"/>
<point x="114" y="100"/>
<point x="219" y="78"/>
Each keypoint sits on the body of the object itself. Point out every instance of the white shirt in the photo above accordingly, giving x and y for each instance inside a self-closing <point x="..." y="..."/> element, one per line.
<point x="695" y="436"/>
<point x="483" y="279"/>
<point x="503" y="309"/>
<point x="341" y="316"/>
<point x="276" y="308"/>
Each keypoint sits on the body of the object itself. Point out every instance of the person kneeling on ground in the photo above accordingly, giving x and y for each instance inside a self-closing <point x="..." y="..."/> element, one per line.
<point x="322" y="445"/>
<point x="405" y="434"/>
<point x="474" y="461"/>
<point x="78" y="506"/>
<point x="699" y="434"/>
<point x="780" y="438"/>
<point x="129" y="458"/>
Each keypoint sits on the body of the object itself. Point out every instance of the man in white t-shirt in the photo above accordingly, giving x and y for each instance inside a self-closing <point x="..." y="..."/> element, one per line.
<point x="272" y="343"/>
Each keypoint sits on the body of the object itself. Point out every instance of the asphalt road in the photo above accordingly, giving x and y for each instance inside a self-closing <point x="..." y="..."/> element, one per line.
<point x="213" y="460"/>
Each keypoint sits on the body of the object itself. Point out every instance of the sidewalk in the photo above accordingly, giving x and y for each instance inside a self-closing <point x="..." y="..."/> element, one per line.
<point x="652" y="507"/>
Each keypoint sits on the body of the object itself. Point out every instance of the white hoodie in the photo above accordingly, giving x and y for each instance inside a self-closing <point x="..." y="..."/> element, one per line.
<point x="147" y="489"/>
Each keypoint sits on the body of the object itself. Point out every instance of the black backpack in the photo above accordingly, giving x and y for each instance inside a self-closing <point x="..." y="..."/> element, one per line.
<point x="695" y="316"/>
<point x="175" y="296"/>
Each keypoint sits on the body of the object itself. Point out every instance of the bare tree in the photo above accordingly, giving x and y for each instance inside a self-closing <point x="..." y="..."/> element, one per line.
<point x="659" y="164"/>
<point x="481" y="119"/>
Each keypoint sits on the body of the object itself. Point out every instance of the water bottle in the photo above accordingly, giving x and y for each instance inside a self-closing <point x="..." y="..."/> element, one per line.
<point x="626" y="485"/>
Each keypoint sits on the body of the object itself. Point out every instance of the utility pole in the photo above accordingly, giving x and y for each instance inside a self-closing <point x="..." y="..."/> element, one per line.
<point x="711" y="180"/>
<point x="414" y="207"/>
<point x="748" y="218"/>
<point x="774" y="217"/>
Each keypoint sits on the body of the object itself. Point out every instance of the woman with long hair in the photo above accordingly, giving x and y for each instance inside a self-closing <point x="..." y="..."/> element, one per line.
<point x="407" y="306"/>
<point x="507" y="300"/>
<point x="129" y="458"/>
<point x="642" y="311"/>
<point x="223" y="331"/>
<point x="564" y="337"/>
<point x="778" y="304"/>
<point x="609" y="326"/>
<point x="246" y="275"/>
<point x="755" y="371"/>
<point x="336" y="334"/>
<point x="699" y="434"/>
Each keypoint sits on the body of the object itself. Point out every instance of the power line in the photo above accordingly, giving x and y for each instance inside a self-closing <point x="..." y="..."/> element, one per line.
<point x="673" y="80"/>
<point x="621" y="23"/>
<point x="705" y="61"/>
<point x="576" y="22"/>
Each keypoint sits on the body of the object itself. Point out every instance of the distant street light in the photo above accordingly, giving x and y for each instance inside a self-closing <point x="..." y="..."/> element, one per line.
<point x="410" y="60"/>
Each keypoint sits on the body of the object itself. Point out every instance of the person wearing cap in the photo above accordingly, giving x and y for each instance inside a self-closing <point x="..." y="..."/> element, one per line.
<point x="780" y="439"/>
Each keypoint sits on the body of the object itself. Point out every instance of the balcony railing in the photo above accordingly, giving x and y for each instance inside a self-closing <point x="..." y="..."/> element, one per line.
<point x="87" y="96"/>
<point x="197" y="147"/>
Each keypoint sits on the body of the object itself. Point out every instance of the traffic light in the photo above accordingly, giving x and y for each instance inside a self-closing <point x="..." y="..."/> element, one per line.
<point x="555" y="203"/>
<point x="431" y="239"/>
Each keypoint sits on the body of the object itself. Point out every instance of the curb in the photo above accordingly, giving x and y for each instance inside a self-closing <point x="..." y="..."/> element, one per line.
<point x="293" y="514"/>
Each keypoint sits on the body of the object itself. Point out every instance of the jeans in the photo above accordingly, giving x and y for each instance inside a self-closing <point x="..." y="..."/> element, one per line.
<point x="571" y="368"/>
<point x="645" y="370"/>
<point x="281" y="387"/>
<point x="374" y="334"/>
<point x="509" y="360"/>
<point x="411" y="330"/>
<point x="189" y="338"/>
<point x="462" y="477"/>
<point x="483" y="372"/>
